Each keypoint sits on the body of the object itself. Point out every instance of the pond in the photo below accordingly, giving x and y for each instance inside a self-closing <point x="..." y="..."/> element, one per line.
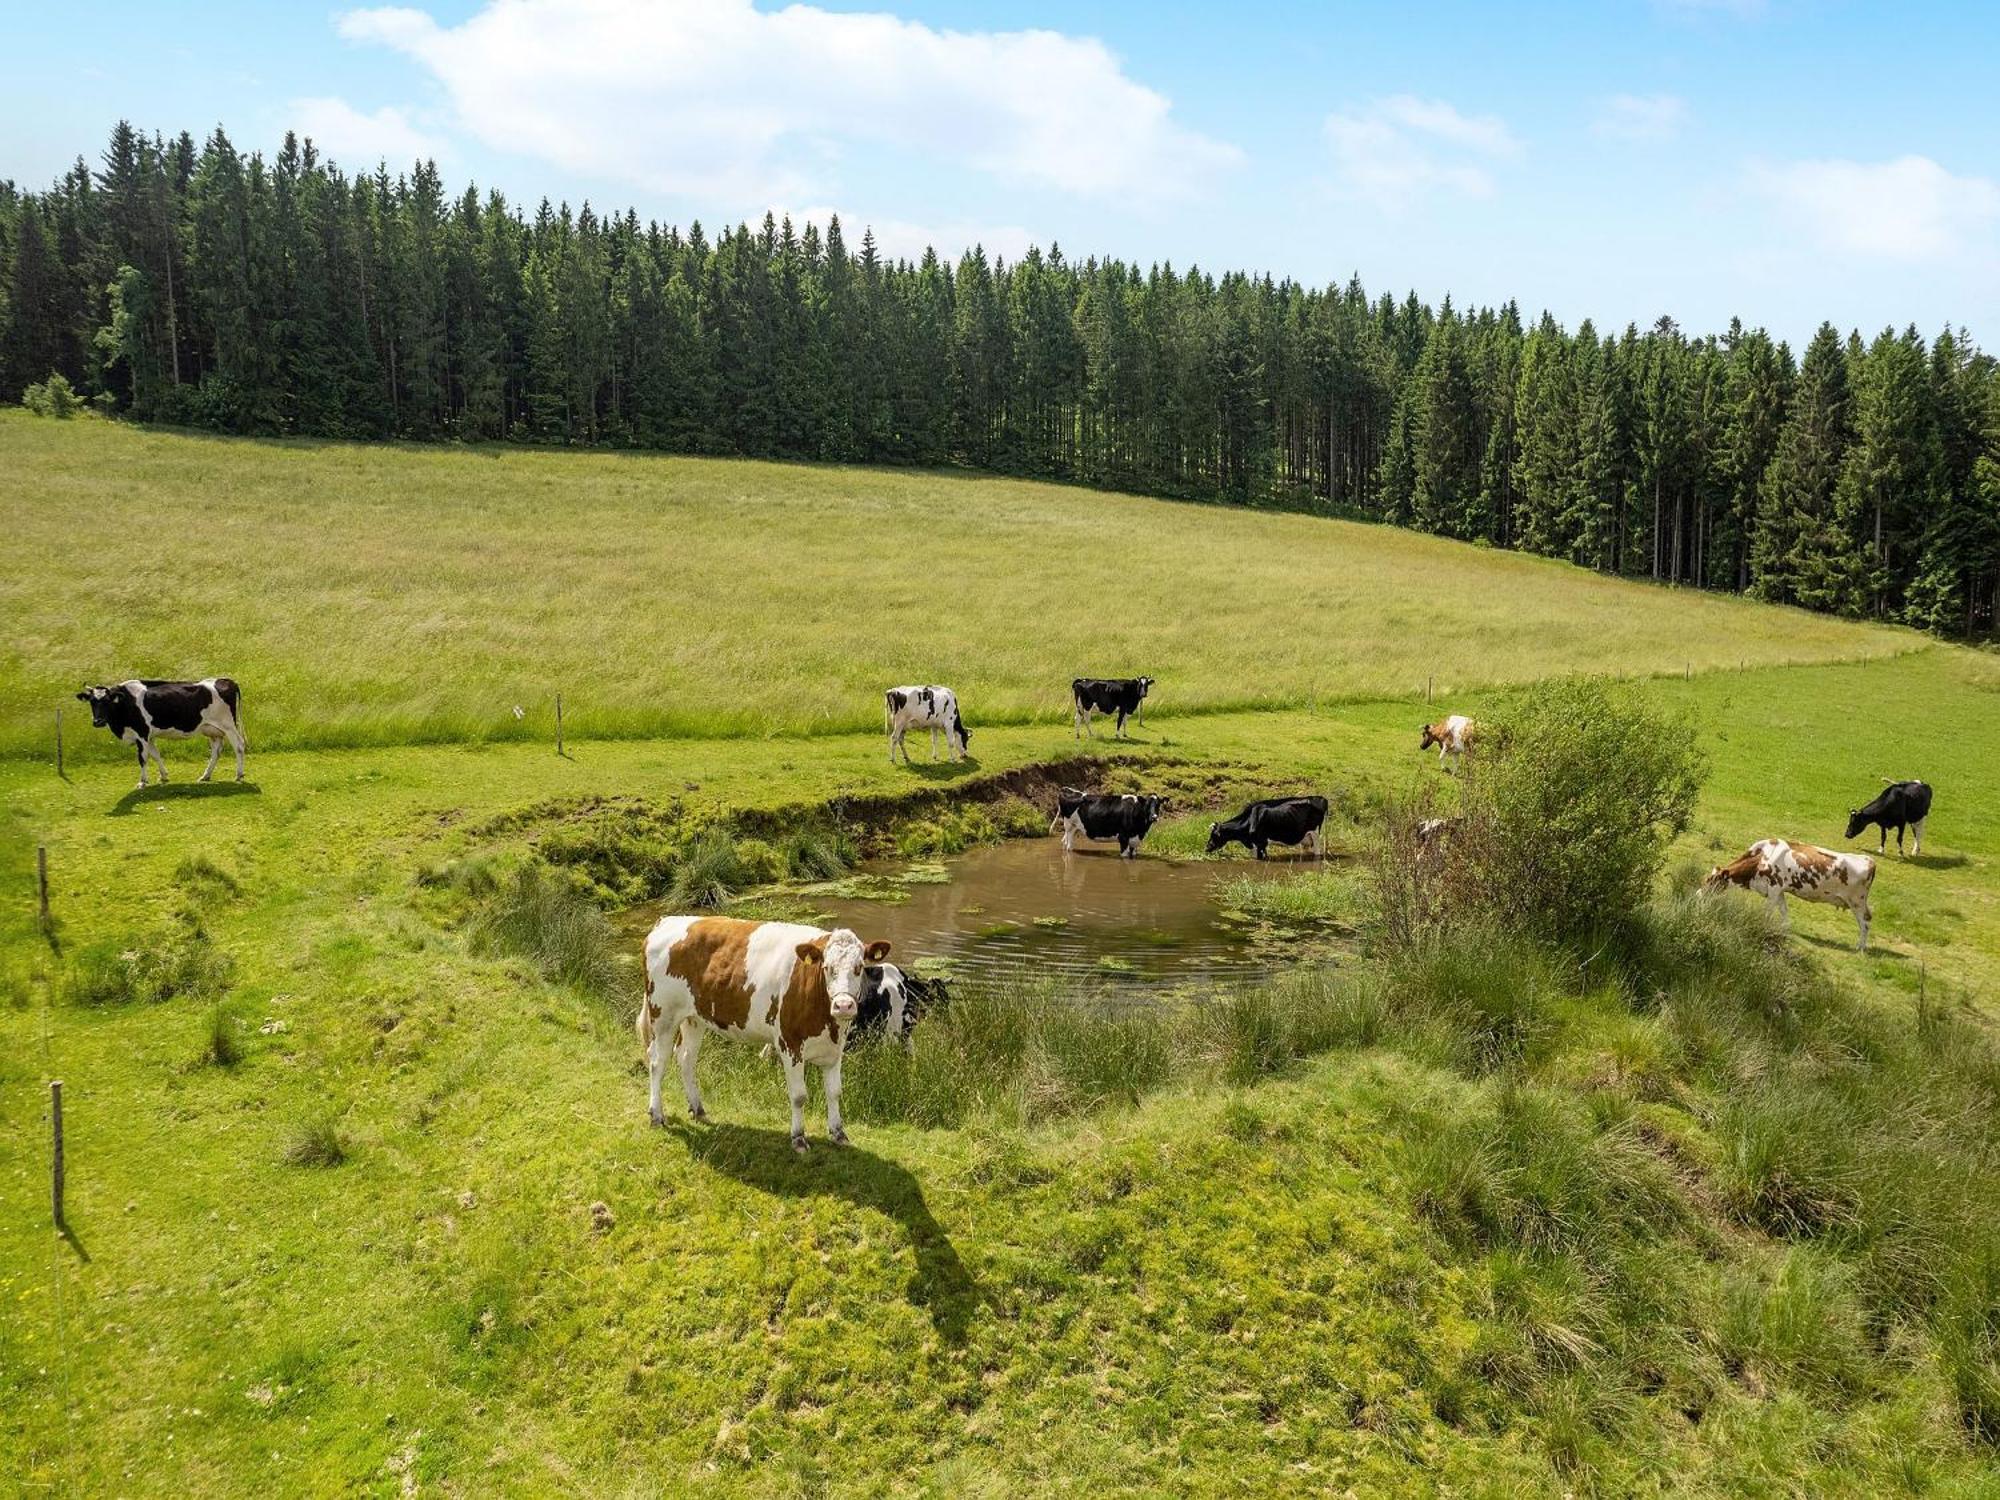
<point x="1025" y="909"/>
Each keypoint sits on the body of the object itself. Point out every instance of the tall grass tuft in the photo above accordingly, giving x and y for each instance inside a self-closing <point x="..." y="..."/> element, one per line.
<point x="221" y="1044"/>
<point x="181" y="959"/>
<point x="317" y="1142"/>
<point x="541" y="917"/>
<point x="710" y="872"/>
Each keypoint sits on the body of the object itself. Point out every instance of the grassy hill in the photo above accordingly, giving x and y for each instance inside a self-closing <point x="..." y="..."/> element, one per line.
<point x="332" y="1196"/>
<point x="381" y="595"/>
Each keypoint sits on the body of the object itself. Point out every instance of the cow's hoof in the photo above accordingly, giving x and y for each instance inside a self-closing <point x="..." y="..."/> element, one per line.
<point x="838" y="1137"/>
<point x="657" y="1118"/>
<point x="799" y="1144"/>
<point x="202" y="779"/>
<point x="697" y="1113"/>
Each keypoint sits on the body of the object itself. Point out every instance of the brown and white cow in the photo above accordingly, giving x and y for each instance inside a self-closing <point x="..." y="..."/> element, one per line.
<point x="798" y="988"/>
<point x="1777" y="868"/>
<point x="1452" y="735"/>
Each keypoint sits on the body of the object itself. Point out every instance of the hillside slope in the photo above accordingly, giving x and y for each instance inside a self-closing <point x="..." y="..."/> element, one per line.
<point x="374" y="594"/>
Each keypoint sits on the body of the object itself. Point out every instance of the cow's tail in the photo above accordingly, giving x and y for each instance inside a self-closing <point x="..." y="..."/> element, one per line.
<point x="227" y="690"/>
<point x="648" y="1014"/>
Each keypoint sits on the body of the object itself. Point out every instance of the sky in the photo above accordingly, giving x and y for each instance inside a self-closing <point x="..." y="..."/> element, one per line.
<point x="1785" y="161"/>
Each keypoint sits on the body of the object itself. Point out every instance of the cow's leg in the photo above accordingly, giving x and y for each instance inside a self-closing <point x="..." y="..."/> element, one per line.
<point x="1862" y="915"/>
<point x="214" y="754"/>
<point x="1917" y="837"/>
<point x="829" y="1081"/>
<point x="142" y="764"/>
<point x="1080" y="723"/>
<point x="148" y="747"/>
<point x="933" y="744"/>
<point x="1777" y="900"/>
<point x="795" y="1086"/>
<point x="687" y="1047"/>
<point x="236" y="744"/>
<point x="1121" y="723"/>
<point x="1262" y="848"/>
<point x="1069" y="834"/>
<point x="656" y="1066"/>
<point x="1882" y="844"/>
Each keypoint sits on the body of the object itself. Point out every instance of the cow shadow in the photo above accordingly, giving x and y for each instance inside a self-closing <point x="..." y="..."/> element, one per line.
<point x="181" y="791"/>
<point x="1932" y="861"/>
<point x="764" y="1159"/>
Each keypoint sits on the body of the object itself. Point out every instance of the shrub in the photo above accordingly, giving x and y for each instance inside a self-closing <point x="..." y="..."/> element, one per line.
<point x="1568" y="807"/>
<point x="543" y="918"/>
<point x="53" y="397"/>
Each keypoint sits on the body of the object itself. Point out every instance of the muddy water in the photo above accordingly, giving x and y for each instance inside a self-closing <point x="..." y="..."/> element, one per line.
<point x="1026" y="909"/>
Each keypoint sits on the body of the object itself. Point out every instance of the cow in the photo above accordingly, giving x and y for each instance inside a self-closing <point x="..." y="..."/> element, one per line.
<point x="1901" y="802"/>
<point x="1275" y="820"/>
<point x="1126" y="818"/>
<point x="931" y="708"/>
<point x="146" y="709"/>
<point x="796" y="987"/>
<point x="1452" y="736"/>
<point x="892" y="1002"/>
<point x="1777" y="868"/>
<point x="1122" y="696"/>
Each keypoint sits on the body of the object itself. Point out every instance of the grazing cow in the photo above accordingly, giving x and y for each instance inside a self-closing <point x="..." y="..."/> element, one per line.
<point x="145" y="709"/>
<point x="1122" y="696"/>
<point x="1126" y="818"/>
<point x="892" y="1002"/>
<point x="1275" y="820"/>
<point x="1452" y="736"/>
<point x="931" y="708"/>
<point x="796" y="987"/>
<point x="1777" y="868"/>
<point x="1901" y="802"/>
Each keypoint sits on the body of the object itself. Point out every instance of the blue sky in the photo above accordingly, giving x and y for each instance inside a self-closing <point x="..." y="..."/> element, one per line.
<point x="1785" y="160"/>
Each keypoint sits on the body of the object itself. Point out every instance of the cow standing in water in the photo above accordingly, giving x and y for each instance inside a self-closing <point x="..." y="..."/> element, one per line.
<point x="931" y="708"/>
<point x="145" y="709"/>
<point x="1125" y="817"/>
<point x="1777" y="868"/>
<point x="798" y="988"/>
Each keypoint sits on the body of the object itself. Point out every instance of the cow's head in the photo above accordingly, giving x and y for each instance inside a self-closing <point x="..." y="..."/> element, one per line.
<point x="1856" y="821"/>
<point x="958" y="728"/>
<point x="1216" y="837"/>
<point x="1152" y="806"/>
<point x="100" y="700"/>
<point x="1432" y="736"/>
<point x="843" y="960"/>
<point x="1145" y="685"/>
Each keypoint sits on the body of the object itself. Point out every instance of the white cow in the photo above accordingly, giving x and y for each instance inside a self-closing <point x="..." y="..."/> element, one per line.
<point x="1777" y="868"/>
<point x="798" y="988"/>
<point x="932" y="708"/>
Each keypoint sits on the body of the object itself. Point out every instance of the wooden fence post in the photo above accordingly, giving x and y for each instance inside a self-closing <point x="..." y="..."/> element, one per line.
<point x="42" y="885"/>
<point x="56" y="1160"/>
<point x="559" y="748"/>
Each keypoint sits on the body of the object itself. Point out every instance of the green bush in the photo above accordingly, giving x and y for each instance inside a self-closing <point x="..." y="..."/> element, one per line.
<point x="53" y="397"/>
<point x="1567" y="807"/>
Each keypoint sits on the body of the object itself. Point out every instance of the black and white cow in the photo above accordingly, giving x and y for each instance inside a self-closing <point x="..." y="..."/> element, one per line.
<point x="1274" y="820"/>
<point x="1126" y="817"/>
<point x="1122" y="696"/>
<point x="146" y="709"/>
<point x="892" y="1002"/>
<point x="931" y="708"/>
<point x="1901" y="803"/>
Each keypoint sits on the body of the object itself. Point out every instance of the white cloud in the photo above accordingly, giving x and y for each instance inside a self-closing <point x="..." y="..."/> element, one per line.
<point x="717" y="98"/>
<point x="357" y="141"/>
<point x="1640" y="117"/>
<point x="1395" y="150"/>
<point x="1909" y="209"/>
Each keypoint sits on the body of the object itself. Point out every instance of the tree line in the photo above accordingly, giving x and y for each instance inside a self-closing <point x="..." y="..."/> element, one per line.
<point x="200" y="286"/>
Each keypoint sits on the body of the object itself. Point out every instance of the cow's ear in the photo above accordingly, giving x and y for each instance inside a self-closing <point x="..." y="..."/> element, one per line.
<point x="809" y="953"/>
<point x="877" y="950"/>
<point x="84" y="696"/>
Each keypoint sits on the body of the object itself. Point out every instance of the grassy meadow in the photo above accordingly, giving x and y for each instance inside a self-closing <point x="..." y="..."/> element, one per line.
<point x="383" y="595"/>
<point x="362" y="1196"/>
